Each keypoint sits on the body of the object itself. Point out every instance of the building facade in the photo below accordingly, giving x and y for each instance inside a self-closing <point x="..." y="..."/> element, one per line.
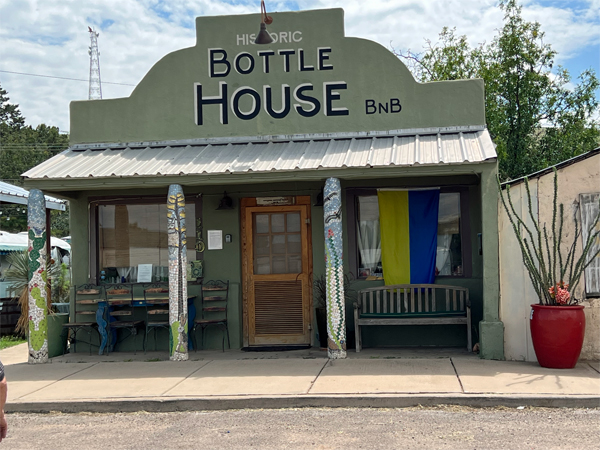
<point x="252" y="133"/>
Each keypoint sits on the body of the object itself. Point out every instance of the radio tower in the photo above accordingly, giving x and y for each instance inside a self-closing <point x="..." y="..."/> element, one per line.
<point x="95" y="84"/>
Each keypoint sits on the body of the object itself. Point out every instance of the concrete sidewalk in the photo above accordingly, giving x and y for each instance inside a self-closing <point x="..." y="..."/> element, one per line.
<point x="236" y="379"/>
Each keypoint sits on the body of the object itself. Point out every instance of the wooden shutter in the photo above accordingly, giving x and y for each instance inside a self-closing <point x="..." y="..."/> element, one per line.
<point x="278" y="308"/>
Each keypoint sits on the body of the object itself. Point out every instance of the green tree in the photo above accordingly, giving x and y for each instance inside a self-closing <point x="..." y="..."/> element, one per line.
<point x="10" y="116"/>
<point x="21" y="148"/>
<point x="533" y="114"/>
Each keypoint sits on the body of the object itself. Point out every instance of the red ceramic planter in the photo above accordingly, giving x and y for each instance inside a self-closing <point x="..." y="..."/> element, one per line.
<point x="557" y="334"/>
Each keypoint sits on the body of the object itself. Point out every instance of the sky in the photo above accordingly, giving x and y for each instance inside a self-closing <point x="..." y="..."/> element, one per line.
<point x="50" y="38"/>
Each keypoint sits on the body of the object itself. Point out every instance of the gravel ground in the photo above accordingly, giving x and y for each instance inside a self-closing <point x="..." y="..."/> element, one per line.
<point x="443" y="427"/>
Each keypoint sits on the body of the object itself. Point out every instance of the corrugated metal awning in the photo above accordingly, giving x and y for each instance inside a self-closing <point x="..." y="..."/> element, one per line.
<point x="10" y="193"/>
<point x="214" y="157"/>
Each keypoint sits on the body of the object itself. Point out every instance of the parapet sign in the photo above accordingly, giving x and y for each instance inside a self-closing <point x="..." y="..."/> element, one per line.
<point x="310" y="80"/>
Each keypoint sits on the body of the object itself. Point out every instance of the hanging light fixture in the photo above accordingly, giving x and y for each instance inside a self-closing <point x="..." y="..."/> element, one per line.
<point x="225" y="203"/>
<point x="263" y="35"/>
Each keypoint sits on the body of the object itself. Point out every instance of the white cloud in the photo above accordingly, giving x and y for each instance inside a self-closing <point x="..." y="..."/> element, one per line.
<point x="50" y="37"/>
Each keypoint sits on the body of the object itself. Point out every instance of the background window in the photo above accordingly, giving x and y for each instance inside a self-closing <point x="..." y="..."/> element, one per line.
<point x="132" y="234"/>
<point x="589" y="211"/>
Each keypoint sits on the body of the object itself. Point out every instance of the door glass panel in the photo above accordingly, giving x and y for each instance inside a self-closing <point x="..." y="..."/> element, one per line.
<point x="293" y="222"/>
<point x="279" y="264"/>
<point x="277" y="223"/>
<point x="294" y="263"/>
<point x="294" y="243"/>
<point x="278" y="243"/>
<point x="261" y="245"/>
<point x="262" y="223"/>
<point x="262" y="265"/>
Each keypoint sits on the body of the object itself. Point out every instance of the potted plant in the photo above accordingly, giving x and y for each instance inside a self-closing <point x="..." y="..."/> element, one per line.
<point x="18" y="275"/>
<point x="320" y="302"/>
<point x="557" y="321"/>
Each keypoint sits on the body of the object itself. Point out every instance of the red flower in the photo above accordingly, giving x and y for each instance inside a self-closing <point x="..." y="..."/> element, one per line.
<point x="330" y="233"/>
<point x="560" y="293"/>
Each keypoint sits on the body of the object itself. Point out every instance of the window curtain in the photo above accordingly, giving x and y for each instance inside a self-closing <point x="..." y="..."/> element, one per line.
<point x="443" y="261"/>
<point x="408" y="221"/>
<point x="369" y="243"/>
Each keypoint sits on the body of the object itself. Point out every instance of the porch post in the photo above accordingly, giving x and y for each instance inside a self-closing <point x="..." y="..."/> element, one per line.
<point x="491" y="328"/>
<point x="334" y="270"/>
<point x="178" y="316"/>
<point x="38" y="295"/>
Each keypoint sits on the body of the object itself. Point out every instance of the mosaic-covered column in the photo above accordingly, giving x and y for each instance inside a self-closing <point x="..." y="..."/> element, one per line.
<point x="334" y="270"/>
<point x="38" y="295"/>
<point x="178" y="316"/>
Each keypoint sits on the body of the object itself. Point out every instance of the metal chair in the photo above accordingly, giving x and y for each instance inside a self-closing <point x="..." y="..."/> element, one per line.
<point x="119" y="299"/>
<point x="85" y="294"/>
<point x="156" y="299"/>
<point x="213" y="309"/>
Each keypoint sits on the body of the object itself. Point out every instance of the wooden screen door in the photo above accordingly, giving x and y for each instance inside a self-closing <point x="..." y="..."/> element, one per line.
<point x="277" y="262"/>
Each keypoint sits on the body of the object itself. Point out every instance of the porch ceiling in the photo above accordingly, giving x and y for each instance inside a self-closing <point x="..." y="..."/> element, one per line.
<point x="298" y="157"/>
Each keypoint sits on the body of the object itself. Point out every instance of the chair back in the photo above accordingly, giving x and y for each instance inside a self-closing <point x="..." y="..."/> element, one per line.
<point x="215" y="295"/>
<point x="119" y="294"/>
<point x="87" y="297"/>
<point x="119" y="298"/>
<point x="156" y="299"/>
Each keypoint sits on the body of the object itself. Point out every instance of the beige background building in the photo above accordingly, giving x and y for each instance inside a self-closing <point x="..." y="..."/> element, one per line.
<point x="580" y="175"/>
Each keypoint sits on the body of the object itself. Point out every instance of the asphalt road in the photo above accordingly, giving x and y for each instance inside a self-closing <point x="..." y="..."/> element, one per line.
<point x="319" y="428"/>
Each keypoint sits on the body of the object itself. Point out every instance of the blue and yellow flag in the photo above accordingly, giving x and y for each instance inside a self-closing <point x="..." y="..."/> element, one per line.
<point x="408" y="222"/>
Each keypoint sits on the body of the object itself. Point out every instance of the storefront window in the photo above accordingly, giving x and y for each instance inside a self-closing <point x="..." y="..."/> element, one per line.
<point x="448" y="261"/>
<point x="449" y="247"/>
<point x="368" y="237"/>
<point x="133" y="234"/>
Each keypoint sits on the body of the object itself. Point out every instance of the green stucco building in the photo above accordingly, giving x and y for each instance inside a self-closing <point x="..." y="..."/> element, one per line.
<point x="251" y="132"/>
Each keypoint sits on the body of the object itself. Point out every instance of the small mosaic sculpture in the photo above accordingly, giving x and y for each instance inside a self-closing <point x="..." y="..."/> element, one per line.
<point x="38" y="296"/>
<point x="178" y="316"/>
<point x="334" y="270"/>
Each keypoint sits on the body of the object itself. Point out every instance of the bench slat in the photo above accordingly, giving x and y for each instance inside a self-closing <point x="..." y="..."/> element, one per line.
<point x="447" y="299"/>
<point x="415" y="321"/>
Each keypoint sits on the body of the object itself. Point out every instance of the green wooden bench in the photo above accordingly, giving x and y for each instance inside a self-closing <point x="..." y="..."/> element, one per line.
<point x="412" y="304"/>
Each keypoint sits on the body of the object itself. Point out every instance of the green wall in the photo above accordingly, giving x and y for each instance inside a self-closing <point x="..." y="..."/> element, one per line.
<point x="164" y="104"/>
<point x="226" y="263"/>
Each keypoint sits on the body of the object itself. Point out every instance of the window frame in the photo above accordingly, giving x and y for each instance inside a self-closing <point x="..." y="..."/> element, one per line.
<point x="352" y="195"/>
<point x="586" y="222"/>
<point x="94" y="229"/>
